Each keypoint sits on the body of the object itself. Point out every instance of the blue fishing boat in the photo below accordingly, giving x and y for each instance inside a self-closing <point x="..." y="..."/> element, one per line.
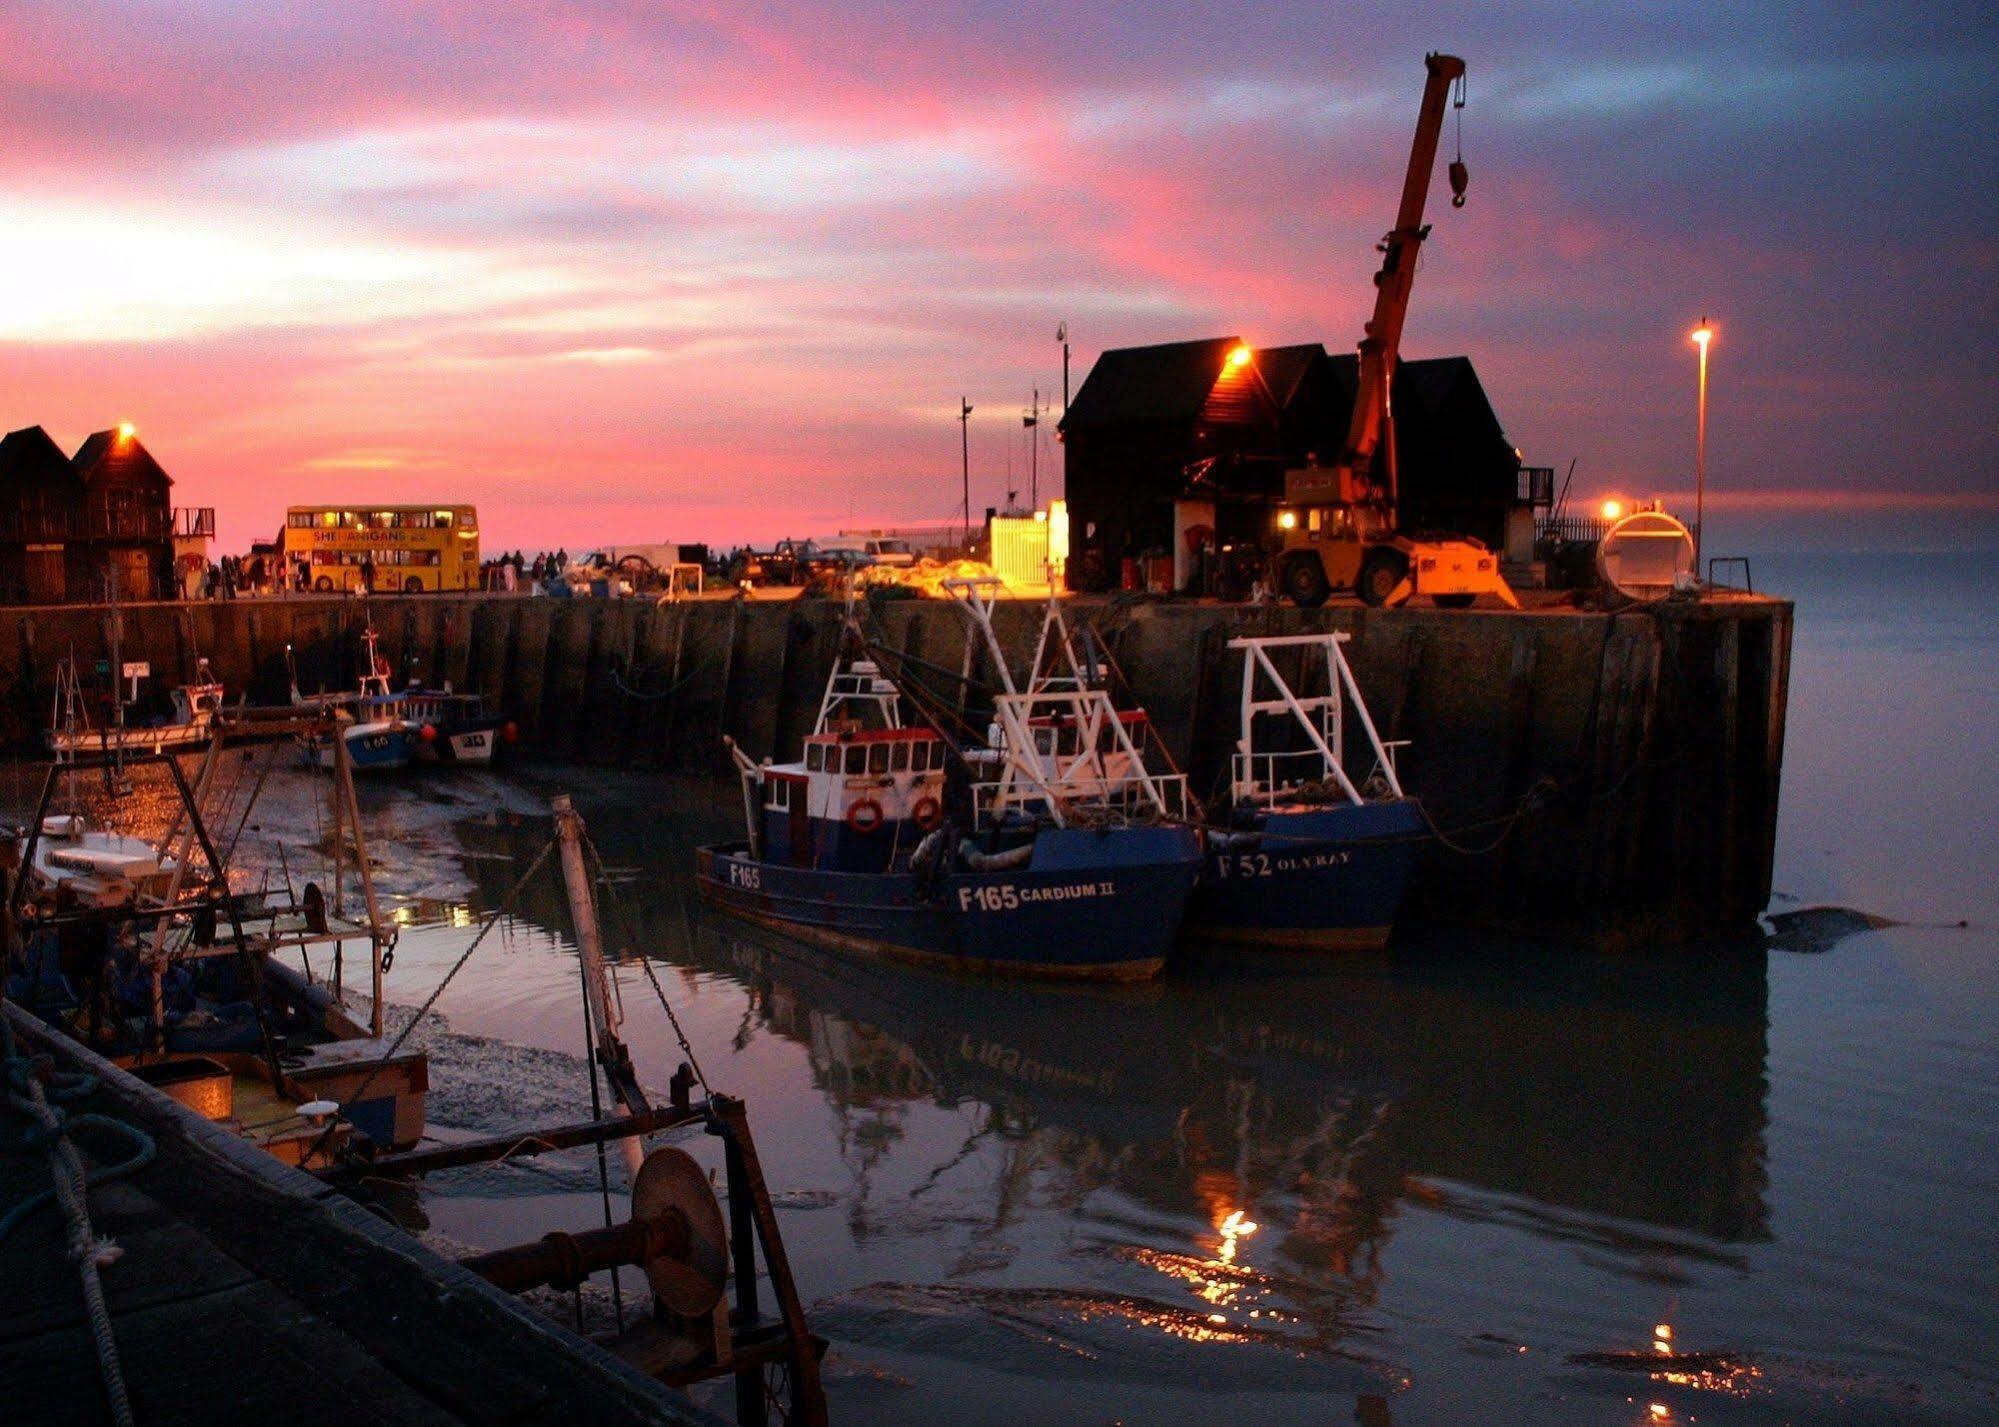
<point x="1303" y="854"/>
<point x="374" y="721"/>
<point x="864" y="844"/>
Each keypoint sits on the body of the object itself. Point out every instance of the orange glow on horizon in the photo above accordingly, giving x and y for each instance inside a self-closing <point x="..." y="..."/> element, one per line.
<point x="1239" y="357"/>
<point x="126" y="430"/>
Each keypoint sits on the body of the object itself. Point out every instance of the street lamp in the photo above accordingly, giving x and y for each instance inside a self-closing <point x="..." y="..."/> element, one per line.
<point x="965" y="455"/>
<point x="1702" y="335"/>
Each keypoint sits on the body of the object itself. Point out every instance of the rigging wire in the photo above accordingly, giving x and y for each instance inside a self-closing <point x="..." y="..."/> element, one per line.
<point x="498" y="915"/>
<point x="645" y="962"/>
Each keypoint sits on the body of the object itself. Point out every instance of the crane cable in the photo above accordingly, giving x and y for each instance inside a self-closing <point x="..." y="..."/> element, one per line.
<point x="1459" y="174"/>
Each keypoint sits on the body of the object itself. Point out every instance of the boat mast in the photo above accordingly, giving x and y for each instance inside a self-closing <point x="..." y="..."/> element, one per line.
<point x="612" y="1055"/>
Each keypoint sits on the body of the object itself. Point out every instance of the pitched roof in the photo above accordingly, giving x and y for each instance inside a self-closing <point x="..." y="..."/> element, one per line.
<point x="1431" y="392"/>
<point x="1171" y="382"/>
<point x="1283" y="368"/>
<point x="31" y="456"/>
<point x="1143" y="386"/>
<point x="106" y="456"/>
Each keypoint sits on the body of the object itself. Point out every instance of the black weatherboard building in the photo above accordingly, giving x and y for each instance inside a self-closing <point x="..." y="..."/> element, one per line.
<point x="67" y="523"/>
<point x="1168" y="446"/>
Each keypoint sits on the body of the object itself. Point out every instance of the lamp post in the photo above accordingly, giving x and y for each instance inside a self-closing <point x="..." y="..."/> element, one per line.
<point x="965" y="455"/>
<point x="1062" y="336"/>
<point x="1702" y="335"/>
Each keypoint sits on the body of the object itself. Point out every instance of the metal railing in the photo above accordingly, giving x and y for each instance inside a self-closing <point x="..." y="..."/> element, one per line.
<point x="56" y="526"/>
<point x="1139" y="797"/>
<point x="1748" y="585"/>
<point x="1575" y="529"/>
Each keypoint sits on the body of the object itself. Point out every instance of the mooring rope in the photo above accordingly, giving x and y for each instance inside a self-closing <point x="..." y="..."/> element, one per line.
<point x="668" y="692"/>
<point x="33" y="1083"/>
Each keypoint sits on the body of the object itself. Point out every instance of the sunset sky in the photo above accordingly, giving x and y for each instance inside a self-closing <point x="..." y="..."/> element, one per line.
<point x="653" y="270"/>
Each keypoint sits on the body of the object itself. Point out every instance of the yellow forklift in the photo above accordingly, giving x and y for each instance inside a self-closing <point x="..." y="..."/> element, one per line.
<point x="1338" y="527"/>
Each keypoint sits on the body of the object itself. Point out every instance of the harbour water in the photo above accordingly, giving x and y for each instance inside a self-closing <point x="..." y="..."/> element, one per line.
<point x="1468" y="1181"/>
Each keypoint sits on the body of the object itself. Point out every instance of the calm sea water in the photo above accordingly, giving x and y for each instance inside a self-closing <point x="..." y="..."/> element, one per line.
<point x="1474" y="1181"/>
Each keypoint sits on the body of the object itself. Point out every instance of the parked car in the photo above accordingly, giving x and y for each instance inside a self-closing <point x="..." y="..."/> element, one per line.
<point x="879" y="550"/>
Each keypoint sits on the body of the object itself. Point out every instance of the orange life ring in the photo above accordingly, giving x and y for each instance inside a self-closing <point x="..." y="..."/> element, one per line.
<point x="864" y="815"/>
<point x="927" y="813"/>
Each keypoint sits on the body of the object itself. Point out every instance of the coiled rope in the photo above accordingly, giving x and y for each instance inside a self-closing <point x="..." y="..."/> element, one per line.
<point x="35" y="1088"/>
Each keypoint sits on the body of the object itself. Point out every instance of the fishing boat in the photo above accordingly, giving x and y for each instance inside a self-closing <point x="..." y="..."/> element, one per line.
<point x="1301" y="853"/>
<point x="865" y="844"/>
<point x="187" y="725"/>
<point x="379" y="735"/>
<point x="139" y="948"/>
<point x="454" y="728"/>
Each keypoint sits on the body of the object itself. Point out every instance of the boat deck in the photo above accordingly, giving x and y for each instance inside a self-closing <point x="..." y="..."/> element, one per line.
<point x="249" y="1292"/>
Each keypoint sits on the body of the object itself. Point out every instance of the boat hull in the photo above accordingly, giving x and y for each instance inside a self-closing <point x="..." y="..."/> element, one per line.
<point x="375" y="747"/>
<point x="1067" y="915"/>
<point x="1319" y="879"/>
<point x="471" y="744"/>
<point x="65" y="744"/>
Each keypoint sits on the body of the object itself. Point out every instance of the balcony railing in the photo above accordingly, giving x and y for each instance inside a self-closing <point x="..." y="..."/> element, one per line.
<point x="194" y="522"/>
<point x="54" y="527"/>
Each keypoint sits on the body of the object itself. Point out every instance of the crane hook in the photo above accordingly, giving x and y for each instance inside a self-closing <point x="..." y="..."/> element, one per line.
<point x="1460" y="175"/>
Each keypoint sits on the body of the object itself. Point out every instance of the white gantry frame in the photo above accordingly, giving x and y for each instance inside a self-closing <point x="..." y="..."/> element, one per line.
<point x="1267" y="693"/>
<point x="1105" y="768"/>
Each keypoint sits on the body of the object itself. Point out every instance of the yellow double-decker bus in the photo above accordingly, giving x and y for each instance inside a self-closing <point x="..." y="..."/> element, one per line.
<point x="410" y="547"/>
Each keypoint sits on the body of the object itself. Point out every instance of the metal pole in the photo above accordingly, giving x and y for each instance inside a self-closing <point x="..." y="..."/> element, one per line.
<point x="1063" y="335"/>
<point x="1703" y="336"/>
<point x="965" y="457"/>
<point x="1034" y="452"/>
<point x="590" y="951"/>
<point x="343" y="773"/>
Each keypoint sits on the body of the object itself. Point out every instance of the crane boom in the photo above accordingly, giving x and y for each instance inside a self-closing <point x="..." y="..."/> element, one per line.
<point x="1373" y="410"/>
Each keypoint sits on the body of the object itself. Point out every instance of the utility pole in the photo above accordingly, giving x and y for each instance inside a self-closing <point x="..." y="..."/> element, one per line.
<point x="1032" y="421"/>
<point x="1702" y="335"/>
<point x="965" y="458"/>
<point x="1062" y="336"/>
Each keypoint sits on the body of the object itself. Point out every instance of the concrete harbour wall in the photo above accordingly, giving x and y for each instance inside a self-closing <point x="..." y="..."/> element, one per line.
<point x="1602" y="774"/>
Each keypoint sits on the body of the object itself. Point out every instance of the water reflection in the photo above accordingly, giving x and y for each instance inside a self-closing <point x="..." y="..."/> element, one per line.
<point x="1594" y="1101"/>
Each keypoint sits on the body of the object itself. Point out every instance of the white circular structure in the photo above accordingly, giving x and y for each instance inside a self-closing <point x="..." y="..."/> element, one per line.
<point x="1646" y="555"/>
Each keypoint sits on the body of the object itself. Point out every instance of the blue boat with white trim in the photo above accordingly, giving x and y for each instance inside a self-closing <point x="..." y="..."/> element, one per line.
<point x="1305" y="855"/>
<point x="861" y="845"/>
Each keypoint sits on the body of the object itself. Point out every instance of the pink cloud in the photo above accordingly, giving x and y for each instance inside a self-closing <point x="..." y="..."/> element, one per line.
<point x="639" y="253"/>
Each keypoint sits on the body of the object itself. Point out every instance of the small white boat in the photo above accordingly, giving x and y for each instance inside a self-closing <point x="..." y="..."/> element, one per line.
<point x="96" y="868"/>
<point x="196" y="706"/>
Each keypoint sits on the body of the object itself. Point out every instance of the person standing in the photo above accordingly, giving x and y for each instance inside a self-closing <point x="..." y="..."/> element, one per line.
<point x="367" y="576"/>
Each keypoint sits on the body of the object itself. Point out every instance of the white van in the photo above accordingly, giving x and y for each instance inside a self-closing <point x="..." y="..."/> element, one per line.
<point x="875" y="549"/>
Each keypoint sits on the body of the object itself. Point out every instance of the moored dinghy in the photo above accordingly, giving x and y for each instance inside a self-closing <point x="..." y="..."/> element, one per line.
<point x="1305" y="856"/>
